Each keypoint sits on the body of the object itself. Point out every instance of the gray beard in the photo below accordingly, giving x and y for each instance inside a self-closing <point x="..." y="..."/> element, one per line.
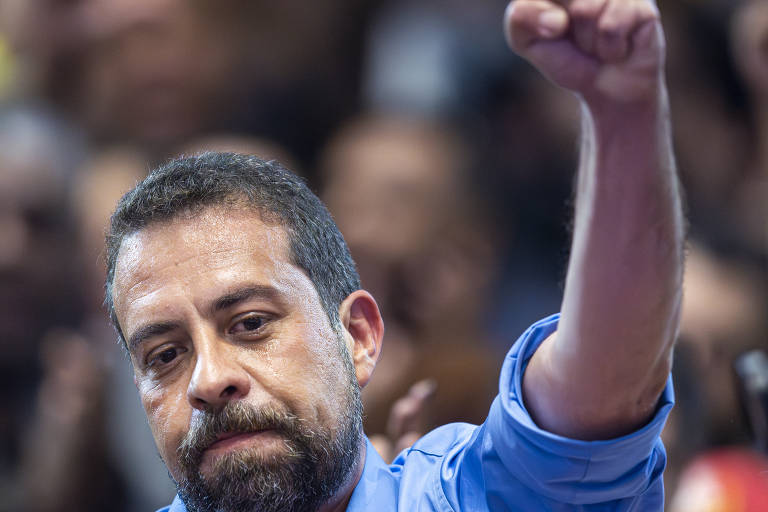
<point x="314" y="467"/>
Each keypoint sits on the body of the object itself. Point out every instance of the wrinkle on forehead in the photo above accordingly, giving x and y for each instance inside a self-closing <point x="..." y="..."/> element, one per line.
<point x="204" y="241"/>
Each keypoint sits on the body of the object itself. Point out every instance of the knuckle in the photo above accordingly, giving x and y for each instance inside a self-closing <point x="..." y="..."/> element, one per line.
<point x="646" y="11"/>
<point x="401" y="408"/>
<point x="586" y="9"/>
<point x="522" y="11"/>
<point x="517" y="9"/>
<point x="610" y="28"/>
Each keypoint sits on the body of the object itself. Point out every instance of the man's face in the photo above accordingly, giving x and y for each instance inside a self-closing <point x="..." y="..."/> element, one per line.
<point x="249" y="391"/>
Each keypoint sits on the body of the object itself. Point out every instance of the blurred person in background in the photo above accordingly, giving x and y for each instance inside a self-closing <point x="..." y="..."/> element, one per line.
<point x="724" y="307"/>
<point x="38" y="284"/>
<point x="723" y="316"/>
<point x="718" y="83"/>
<point x="95" y="189"/>
<point x="146" y="72"/>
<point x="47" y="40"/>
<point x="711" y="113"/>
<point x="154" y="70"/>
<point x="439" y="60"/>
<point x="156" y="73"/>
<point x="83" y="441"/>
<point x="65" y="463"/>
<point x="398" y="188"/>
<point x="749" y="43"/>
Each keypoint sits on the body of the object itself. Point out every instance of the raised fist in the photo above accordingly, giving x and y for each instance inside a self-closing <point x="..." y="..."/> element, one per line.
<point x="600" y="49"/>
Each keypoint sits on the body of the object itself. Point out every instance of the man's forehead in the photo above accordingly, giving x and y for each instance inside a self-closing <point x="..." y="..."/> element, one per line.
<point x="209" y="233"/>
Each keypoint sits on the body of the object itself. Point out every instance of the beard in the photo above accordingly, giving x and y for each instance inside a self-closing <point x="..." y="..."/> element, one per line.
<point x="314" y="465"/>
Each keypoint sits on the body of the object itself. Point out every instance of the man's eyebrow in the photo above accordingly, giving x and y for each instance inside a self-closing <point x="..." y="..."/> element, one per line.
<point x="242" y="294"/>
<point x="149" y="330"/>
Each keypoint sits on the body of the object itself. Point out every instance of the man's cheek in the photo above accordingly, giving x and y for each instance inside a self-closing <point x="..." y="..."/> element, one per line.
<point x="168" y="417"/>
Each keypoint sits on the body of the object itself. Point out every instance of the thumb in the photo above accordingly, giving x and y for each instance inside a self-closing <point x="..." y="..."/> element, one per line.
<point x="410" y="413"/>
<point x="530" y="21"/>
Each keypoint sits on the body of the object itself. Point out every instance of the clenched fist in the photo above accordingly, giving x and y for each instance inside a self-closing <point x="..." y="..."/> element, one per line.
<point x="602" y="50"/>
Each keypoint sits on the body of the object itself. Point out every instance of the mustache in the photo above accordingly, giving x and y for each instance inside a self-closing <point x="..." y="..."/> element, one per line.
<point x="234" y="417"/>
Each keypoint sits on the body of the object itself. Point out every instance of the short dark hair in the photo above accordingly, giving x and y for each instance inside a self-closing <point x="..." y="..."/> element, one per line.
<point x="190" y="184"/>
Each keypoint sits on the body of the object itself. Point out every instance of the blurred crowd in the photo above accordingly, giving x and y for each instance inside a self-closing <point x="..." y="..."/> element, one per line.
<point x="447" y="163"/>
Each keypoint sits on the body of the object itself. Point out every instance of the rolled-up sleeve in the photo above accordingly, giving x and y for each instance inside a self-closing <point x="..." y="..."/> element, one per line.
<point x="560" y="469"/>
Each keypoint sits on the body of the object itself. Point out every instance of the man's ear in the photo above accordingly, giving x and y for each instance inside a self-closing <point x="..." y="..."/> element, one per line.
<point x="363" y="332"/>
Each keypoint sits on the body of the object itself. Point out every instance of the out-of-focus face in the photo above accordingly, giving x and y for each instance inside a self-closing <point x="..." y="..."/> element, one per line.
<point x="722" y="317"/>
<point x="95" y="191"/>
<point x="749" y="26"/>
<point x="394" y="187"/>
<point x="390" y="185"/>
<point x="249" y="391"/>
<point x="153" y="71"/>
<point x="37" y="287"/>
<point x="43" y="29"/>
<point x="387" y="187"/>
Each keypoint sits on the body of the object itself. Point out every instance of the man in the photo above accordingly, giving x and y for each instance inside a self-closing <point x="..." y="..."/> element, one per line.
<point x="251" y="339"/>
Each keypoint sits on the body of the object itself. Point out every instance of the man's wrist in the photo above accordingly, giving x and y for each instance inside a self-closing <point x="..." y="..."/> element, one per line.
<point x="607" y="118"/>
<point x="651" y="98"/>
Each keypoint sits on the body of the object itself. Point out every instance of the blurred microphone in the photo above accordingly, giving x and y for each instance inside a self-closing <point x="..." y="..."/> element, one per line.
<point x="752" y="371"/>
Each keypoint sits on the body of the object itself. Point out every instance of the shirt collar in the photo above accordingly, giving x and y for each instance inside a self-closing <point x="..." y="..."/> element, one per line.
<point x="377" y="487"/>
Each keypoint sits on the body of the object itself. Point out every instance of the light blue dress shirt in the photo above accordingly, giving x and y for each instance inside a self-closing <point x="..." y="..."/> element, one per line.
<point x="509" y="464"/>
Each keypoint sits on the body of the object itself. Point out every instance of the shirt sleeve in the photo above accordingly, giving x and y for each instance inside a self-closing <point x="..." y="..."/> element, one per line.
<point x="561" y="469"/>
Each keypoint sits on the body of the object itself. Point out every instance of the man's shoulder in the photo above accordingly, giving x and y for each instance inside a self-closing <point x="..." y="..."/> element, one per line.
<point x="439" y="443"/>
<point x="416" y="479"/>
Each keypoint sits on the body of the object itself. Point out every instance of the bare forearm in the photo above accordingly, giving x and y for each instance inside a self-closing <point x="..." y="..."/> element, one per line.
<point x="627" y="248"/>
<point x="601" y="374"/>
<point x="623" y="288"/>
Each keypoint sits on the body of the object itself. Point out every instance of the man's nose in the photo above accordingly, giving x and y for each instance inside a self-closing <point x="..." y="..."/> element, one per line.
<point x="218" y="377"/>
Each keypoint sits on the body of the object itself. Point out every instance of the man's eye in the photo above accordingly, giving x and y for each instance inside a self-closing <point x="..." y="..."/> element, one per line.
<point x="247" y="325"/>
<point x="164" y="356"/>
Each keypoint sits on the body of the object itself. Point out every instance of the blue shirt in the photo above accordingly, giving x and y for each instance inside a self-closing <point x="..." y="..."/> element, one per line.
<point x="508" y="463"/>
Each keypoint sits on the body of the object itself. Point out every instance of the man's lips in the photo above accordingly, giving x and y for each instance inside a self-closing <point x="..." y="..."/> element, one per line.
<point x="230" y="439"/>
